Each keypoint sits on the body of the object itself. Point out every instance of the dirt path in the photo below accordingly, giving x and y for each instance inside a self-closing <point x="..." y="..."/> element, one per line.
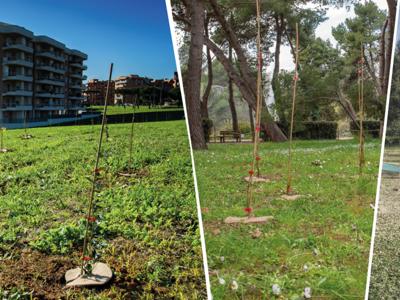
<point x="385" y="276"/>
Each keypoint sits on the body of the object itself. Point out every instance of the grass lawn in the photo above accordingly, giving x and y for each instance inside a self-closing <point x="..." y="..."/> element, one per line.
<point x="320" y="241"/>
<point x="119" y="110"/>
<point x="147" y="228"/>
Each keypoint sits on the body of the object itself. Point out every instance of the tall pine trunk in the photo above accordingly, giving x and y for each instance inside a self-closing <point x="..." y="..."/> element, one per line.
<point x="279" y="31"/>
<point x="388" y="57"/>
<point x="231" y="100"/>
<point x="268" y="125"/>
<point x="192" y="83"/>
<point x="245" y="81"/>
<point x="207" y="91"/>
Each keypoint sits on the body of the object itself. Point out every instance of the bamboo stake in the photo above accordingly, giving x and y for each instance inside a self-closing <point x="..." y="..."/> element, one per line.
<point x="1" y="140"/>
<point x="257" y="131"/>
<point x="361" y="108"/>
<point x="295" y="78"/>
<point x="89" y="216"/>
<point x="131" y="136"/>
<point x="26" y="133"/>
<point x="215" y="134"/>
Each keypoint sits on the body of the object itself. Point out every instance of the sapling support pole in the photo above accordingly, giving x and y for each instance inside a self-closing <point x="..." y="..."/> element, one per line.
<point x="26" y="136"/>
<point x="131" y="139"/>
<point x="255" y="166"/>
<point x="361" y="154"/>
<point x="98" y="273"/>
<point x="1" y="139"/>
<point x="251" y="219"/>
<point x="129" y="169"/>
<point x="259" y="103"/>
<point x="295" y="78"/>
<point x="2" y="149"/>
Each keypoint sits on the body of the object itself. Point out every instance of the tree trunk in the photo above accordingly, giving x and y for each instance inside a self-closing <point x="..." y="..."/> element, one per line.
<point x="388" y="57"/>
<point x="235" y="123"/>
<point x="234" y="42"/>
<point x="251" y="118"/>
<point x="193" y="77"/>
<point x="274" y="132"/>
<point x="371" y="71"/>
<point x="207" y="91"/>
<point x="382" y="52"/>
<point x="275" y="74"/>
<point x="346" y="104"/>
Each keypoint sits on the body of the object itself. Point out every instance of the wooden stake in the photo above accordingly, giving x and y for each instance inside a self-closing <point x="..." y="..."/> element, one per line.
<point x="26" y="134"/>
<point x="89" y="215"/>
<point x="295" y="78"/>
<point x="131" y="136"/>
<point x="256" y="157"/>
<point x="361" y="109"/>
<point x="258" y="108"/>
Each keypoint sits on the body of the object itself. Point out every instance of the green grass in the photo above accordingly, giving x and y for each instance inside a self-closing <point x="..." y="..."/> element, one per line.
<point x="147" y="224"/>
<point x="319" y="241"/>
<point x="117" y="110"/>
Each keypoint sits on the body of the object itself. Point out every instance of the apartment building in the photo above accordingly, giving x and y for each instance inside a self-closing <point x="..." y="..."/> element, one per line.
<point x="96" y="90"/>
<point x="40" y="78"/>
<point x="128" y="82"/>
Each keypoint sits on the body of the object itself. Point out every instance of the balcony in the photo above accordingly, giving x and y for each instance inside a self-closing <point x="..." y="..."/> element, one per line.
<point x="49" y="107"/>
<point x="49" y="95"/>
<point x="18" y="62"/>
<point x="78" y="65"/>
<point x="18" y="46"/>
<point x="50" y="69"/>
<point x="51" y="55"/>
<point x="76" y="98"/>
<point x="76" y="75"/>
<point x="75" y="107"/>
<point x="18" y="93"/>
<point x="18" y="77"/>
<point x="50" y="81"/>
<point x="16" y="107"/>
<point x="76" y="87"/>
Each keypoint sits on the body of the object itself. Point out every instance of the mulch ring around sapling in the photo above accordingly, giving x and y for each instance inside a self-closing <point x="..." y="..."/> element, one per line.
<point x="264" y="178"/>
<point x="138" y="173"/>
<point x="26" y="136"/>
<point x="35" y="272"/>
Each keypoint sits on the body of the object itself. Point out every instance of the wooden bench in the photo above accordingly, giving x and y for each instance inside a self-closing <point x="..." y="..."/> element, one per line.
<point x="229" y="133"/>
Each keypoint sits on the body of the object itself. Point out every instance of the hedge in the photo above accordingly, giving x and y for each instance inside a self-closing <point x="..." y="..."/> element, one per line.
<point x="371" y="128"/>
<point x="313" y="130"/>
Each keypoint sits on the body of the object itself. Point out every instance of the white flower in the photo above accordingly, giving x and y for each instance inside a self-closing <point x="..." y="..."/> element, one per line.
<point x="222" y="258"/>
<point x="307" y="293"/>
<point x="305" y="268"/>
<point x="234" y="285"/>
<point x="221" y="281"/>
<point x="276" y="290"/>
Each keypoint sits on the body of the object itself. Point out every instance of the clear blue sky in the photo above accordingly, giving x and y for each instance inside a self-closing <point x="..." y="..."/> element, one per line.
<point x="133" y="34"/>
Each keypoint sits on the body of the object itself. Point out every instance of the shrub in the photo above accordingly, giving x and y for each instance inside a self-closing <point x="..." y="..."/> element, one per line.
<point x="245" y="128"/>
<point x="313" y="130"/>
